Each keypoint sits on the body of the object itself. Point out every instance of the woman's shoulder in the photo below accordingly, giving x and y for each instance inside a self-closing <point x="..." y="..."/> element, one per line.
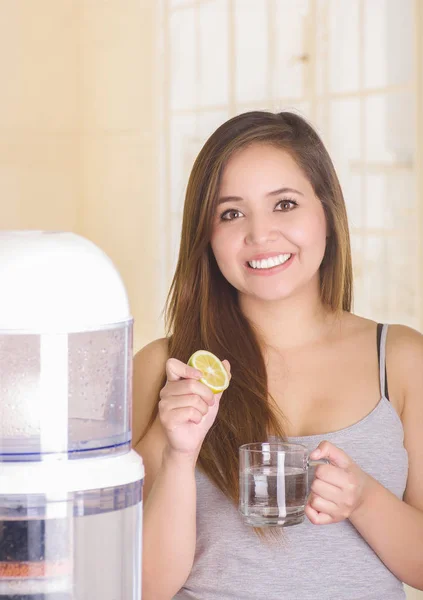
<point x="149" y="367"/>
<point x="404" y="356"/>
<point x="405" y="345"/>
<point x="404" y="360"/>
<point x="403" y="334"/>
<point x="400" y="338"/>
<point x="152" y="354"/>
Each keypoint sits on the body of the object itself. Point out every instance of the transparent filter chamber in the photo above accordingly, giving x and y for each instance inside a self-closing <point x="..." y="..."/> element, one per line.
<point x="65" y="393"/>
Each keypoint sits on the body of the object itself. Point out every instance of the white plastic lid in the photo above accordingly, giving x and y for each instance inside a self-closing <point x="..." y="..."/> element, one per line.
<point x="57" y="281"/>
<point x="62" y="476"/>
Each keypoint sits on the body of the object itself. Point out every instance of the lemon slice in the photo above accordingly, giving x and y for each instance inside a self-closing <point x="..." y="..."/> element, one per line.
<point x="214" y="373"/>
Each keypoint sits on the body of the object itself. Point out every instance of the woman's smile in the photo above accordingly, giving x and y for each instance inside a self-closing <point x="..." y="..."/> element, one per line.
<point x="271" y="265"/>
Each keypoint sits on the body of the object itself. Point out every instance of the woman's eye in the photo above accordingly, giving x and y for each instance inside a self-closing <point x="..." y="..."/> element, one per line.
<point x="230" y="215"/>
<point x="286" y="205"/>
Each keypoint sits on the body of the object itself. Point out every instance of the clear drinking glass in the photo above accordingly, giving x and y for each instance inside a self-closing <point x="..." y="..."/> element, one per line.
<point x="273" y="483"/>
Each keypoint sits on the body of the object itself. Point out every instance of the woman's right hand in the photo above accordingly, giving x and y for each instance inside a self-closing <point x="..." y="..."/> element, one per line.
<point x="187" y="407"/>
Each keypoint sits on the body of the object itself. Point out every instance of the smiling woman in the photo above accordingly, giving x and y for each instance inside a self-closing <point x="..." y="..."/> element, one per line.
<point x="264" y="280"/>
<point x="264" y="231"/>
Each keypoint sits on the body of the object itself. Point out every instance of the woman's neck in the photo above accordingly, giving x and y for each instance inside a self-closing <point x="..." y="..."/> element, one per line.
<point x="291" y="322"/>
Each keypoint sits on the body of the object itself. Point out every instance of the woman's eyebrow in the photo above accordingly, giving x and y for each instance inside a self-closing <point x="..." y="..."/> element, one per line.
<point x="283" y="190"/>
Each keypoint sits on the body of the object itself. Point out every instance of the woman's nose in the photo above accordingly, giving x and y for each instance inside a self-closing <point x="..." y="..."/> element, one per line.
<point x="261" y="230"/>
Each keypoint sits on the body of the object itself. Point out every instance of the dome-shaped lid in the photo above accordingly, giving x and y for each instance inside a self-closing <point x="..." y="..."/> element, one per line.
<point x="57" y="281"/>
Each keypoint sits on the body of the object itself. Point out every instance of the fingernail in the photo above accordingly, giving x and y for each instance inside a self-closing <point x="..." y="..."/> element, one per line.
<point x="316" y="453"/>
<point x="198" y="374"/>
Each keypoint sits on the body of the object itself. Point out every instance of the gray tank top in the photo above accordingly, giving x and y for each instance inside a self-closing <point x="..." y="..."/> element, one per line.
<point x="309" y="562"/>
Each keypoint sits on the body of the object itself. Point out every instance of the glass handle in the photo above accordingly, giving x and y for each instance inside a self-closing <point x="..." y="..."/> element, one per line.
<point x="321" y="461"/>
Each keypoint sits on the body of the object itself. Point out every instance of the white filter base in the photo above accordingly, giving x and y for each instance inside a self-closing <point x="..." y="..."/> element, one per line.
<point x="29" y="587"/>
<point x="55" y="476"/>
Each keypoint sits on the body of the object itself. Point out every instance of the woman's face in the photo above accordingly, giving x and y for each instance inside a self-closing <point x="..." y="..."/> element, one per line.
<point x="269" y="230"/>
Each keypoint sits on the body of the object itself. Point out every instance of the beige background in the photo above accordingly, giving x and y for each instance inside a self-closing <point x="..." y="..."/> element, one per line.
<point x="82" y="128"/>
<point x="78" y="146"/>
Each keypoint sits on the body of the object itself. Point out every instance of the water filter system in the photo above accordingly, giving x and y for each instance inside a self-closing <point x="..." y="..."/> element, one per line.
<point x="70" y="485"/>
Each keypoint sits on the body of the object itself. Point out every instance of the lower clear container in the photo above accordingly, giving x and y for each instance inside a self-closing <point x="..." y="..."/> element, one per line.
<point x="83" y="545"/>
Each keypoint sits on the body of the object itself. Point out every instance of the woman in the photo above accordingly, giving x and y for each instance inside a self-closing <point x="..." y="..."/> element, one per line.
<point x="264" y="280"/>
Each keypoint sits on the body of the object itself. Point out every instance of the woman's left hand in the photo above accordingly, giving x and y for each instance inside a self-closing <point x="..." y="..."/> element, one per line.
<point x="338" y="489"/>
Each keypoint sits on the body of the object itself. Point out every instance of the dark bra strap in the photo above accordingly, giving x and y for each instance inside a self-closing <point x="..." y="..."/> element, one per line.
<point x="381" y="359"/>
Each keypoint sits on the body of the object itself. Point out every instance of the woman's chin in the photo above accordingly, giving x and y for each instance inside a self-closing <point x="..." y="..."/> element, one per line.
<point x="270" y="295"/>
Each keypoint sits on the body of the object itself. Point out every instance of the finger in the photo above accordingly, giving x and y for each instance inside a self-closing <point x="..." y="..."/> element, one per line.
<point x="227" y="366"/>
<point x="321" y="505"/>
<point x="335" y="455"/>
<point x="181" y="416"/>
<point x="317" y="518"/>
<point x="176" y="369"/>
<point x="333" y="475"/>
<point x="175" y="402"/>
<point x="186" y="387"/>
<point x="326" y="491"/>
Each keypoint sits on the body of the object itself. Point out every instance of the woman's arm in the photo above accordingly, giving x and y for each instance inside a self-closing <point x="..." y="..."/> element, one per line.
<point x="169" y="449"/>
<point x="169" y="534"/>
<point x="169" y="485"/>
<point x="392" y="527"/>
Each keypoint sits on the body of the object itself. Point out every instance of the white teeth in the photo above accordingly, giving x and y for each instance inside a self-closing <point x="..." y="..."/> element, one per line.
<point x="268" y="263"/>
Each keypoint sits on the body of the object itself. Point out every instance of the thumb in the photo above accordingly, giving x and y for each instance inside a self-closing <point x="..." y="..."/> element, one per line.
<point x="227" y="366"/>
<point x="175" y="370"/>
<point x="335" y="455"/>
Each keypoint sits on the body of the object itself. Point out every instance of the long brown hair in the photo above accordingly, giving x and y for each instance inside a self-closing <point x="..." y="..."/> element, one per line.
<point x="202" y="310"/>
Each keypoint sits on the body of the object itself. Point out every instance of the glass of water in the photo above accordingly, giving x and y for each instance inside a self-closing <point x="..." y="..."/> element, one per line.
<point x="273" y="483"/>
